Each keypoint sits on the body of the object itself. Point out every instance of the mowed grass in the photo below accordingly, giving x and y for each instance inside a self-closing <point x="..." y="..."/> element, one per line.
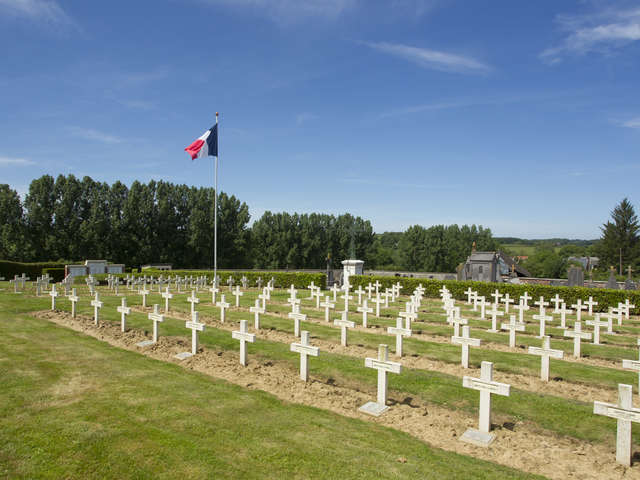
<point x="74" y="407"/>
<point x="562" y="416"/>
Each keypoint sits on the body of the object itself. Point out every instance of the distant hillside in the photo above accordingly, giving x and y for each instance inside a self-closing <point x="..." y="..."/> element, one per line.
<point x="564" y="246"/>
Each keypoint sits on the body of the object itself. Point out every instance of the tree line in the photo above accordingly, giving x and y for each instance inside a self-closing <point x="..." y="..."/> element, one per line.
<point x="72" y="219"/>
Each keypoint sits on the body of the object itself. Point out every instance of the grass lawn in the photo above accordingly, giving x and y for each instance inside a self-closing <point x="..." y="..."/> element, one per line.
<point x="74" y="407"/>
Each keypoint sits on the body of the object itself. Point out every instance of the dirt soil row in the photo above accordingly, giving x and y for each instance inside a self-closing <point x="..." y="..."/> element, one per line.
<point x="521" y="446"/>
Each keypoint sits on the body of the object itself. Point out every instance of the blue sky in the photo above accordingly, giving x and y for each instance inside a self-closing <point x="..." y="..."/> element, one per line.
<point x="520" y="116"/>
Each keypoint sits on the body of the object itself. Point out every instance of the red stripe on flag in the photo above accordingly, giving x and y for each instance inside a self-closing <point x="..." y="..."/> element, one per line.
<point x="194" y="148"/>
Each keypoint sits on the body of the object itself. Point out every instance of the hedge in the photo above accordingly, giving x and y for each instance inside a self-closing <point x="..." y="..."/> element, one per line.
<point x="605" y="297"/>
<point x="282" y="279"/>
<point x="56" y="273"/>
<point x="9" y="269"/>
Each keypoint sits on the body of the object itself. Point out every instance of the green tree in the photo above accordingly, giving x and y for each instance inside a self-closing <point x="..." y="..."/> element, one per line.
<point x="39" y="205"/>
<point x="546" y="263"/>
<point x="619" y="235"/>
<point x="12" y="225"/>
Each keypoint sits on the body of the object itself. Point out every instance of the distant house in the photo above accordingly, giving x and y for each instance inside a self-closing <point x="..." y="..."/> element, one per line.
<point x="93" y="267"/>
<point x="588" y="263"/>
<point x="491" y="267"/>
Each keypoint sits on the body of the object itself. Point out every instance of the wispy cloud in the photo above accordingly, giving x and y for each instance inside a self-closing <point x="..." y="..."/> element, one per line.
<point x="632" y="123"/>
<point x="599" y="32"/>
<point x="304" y="117"/>
<point x="484" y="100"/>
<point x="290" y="11"/>
<point x="44" y="11"/>
<point x="94" y="135"/>
<point x="433" y="59"/>
<point x="15" y="162"/>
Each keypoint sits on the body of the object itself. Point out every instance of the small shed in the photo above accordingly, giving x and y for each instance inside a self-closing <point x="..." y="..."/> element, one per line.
<point x="491" y="267"/>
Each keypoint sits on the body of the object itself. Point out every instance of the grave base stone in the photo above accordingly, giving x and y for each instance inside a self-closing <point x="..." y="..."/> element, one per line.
<point x="183" y="355"/>
<point x="478" y="438"/>
<point x="373" y="408"/>
<point x="145" y="343"/>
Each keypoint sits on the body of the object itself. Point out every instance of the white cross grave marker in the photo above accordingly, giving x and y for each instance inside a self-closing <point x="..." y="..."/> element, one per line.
<point x="543" y="319"/>
<point x="364" y="310"/>
<point x="360" y="292"/>
<point x="346" y="298"/>
<point x="465" y="340"/>
<point x="590" y="303"/>
<point x="304" y="349"/>
<point x="167" y="296"/>
<point x="545" y="352"/>
<point x="297" y="318"/>
<point x="327" y="305"/>
<point x="624" y="413"/>
<point x="525" y="298"/>
<point x="482" y="437"/>
<point x="596" y="323"/>
<point x="469" y="294"/>
<point x="513" y="327"/>
<point x="577" y="334"/>
<point x="521" y="307"/>
<point x="563" y="311"/>
<point x="494" y="312"/>
<point x="97" y="305"/>
<point x="244" y="336"/>
<point x="53" y="294"/>
<point x="399" y="331"/>
<point x="195" y="326"/>
<point x="223" y="306"/>
<point x="556" y="302"/>
<point x="507" y="300"/>
<point x="378" y="301"/>
<point x="578" y="306"/>
<point x="193" y="299"/>
<point x="124" y="311"/>
<point x="496" y="296"/>
<point x="144" y="292"/>
<point x="334" y="289"/>
<point x="633" y="365"/>
<point x="383" y="365"/>
<point x="344" y="323"/>
<point x="237" y="293"/>
<point x="213" y="291"/>
<point x="256" y="310"/>
<point x="73" y="298"/>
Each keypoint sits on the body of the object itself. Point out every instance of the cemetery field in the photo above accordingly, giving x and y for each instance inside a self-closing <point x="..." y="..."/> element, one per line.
<point x="75" y="407"/>
<point x="545" y="428"/>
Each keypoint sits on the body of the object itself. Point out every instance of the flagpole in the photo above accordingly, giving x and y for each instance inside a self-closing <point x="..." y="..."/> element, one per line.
<point x="215" y="214"/>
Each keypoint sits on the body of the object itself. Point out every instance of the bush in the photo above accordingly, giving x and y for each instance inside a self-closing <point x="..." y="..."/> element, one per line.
<point x="606" y="298"/>
<point x="9" y="269"/>
<point x="282" y="279"/>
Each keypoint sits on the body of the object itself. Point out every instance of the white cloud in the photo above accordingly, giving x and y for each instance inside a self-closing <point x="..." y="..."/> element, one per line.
<point x="304" y="117"/>
<point x="289" y="11"/>
<point x="94" y="135"/>
<point x="433" y="59"/>
<point x="15" y="162"/>
<point x="47" y="11"/>
<point x="632" y="123"/>
<point x="599" y="32"/>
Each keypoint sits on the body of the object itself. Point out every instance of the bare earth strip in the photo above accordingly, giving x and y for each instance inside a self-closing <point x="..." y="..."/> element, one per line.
<point x="529" y="383"/>
<point x="525" y="448"/>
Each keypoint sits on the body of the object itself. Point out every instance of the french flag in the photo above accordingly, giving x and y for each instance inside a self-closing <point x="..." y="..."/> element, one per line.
<point x="207" y="144"/>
